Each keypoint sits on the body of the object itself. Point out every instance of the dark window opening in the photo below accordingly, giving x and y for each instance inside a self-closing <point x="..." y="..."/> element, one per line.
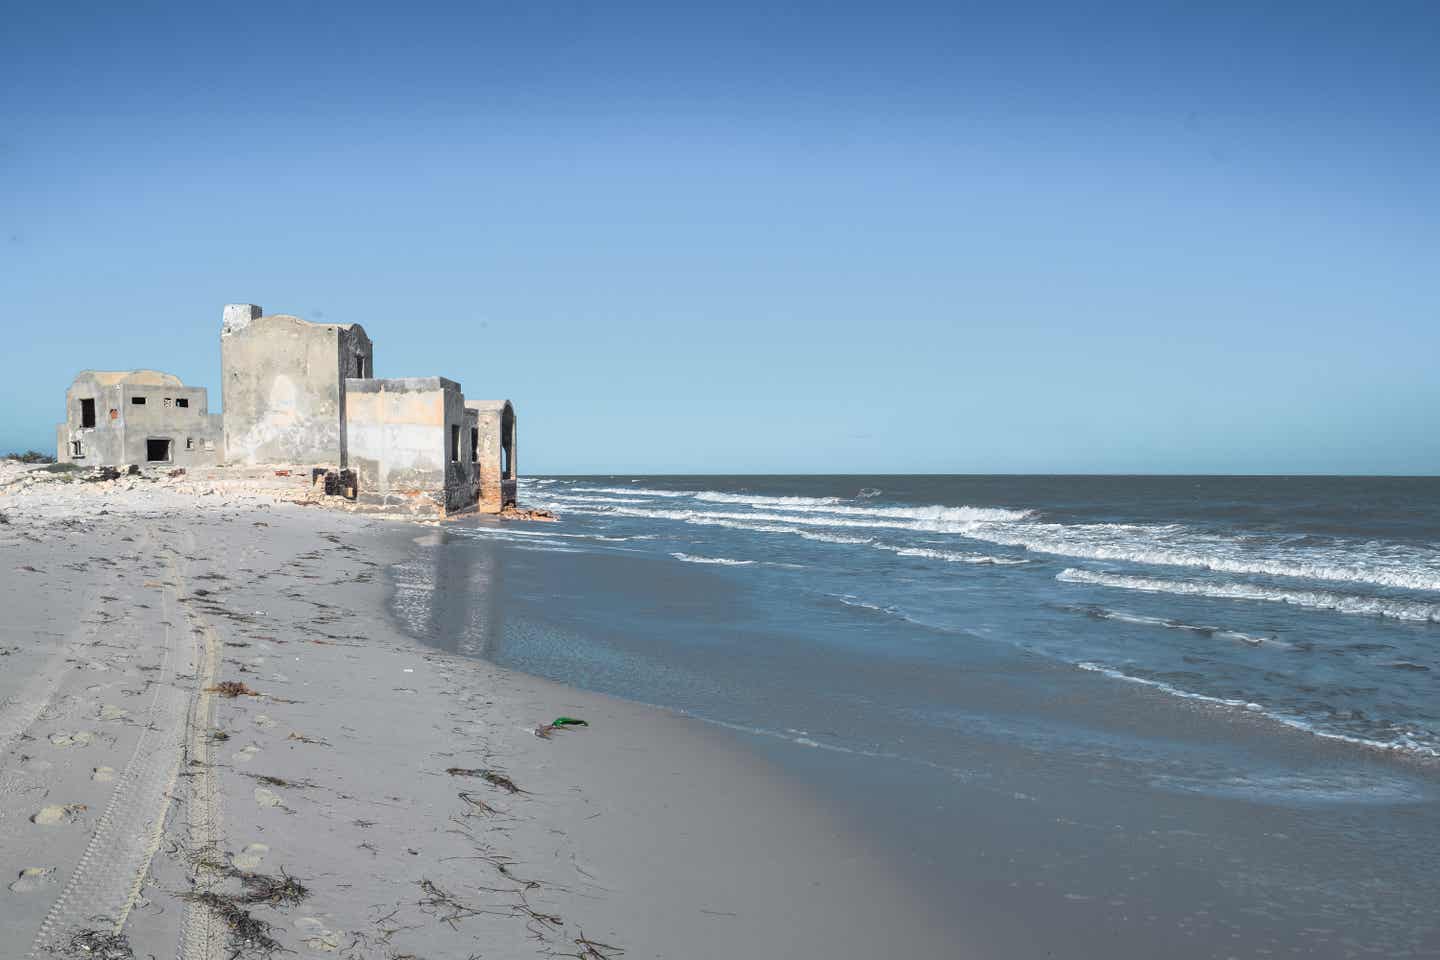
<point x="454" y="443"/>
<point x="87" y="412"/>
<point x="182" y="401"/>
<point x="189" y="443"/>
<point x="360" y="365"/>
<point x="77" y="450"/>
<point x="507" y="443"/>
<point x="138" y="401"/>
<point x="157" y="451"/>
<point x="474" y="444"/>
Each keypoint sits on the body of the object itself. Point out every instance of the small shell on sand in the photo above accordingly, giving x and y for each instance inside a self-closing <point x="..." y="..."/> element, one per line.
<point x="58" y="813"/>
<point x="33" y="878"/>
<point x="102" y="774"/>
<point x="263" y="720"/>
<point x="266" y="797"/>
<point x="249" y="858"/>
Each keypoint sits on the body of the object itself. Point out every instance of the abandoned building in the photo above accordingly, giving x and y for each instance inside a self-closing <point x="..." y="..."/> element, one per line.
<point x="113" y="418"/>
<point x="493" y="440"/>
<point x="282" y="387"/>
<point x="300" y="394"/>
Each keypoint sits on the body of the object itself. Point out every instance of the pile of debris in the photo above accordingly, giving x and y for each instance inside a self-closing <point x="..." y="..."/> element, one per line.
<point x="513" y="512"/>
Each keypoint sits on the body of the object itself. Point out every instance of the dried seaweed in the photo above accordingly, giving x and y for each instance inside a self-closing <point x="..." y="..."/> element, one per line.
<point x="230" y="689"/>
<point x="98" y="945"/>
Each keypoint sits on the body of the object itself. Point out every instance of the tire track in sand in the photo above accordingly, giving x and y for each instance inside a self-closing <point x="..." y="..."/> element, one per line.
<point x="106" y="881"/>
<point x="201" y="933"/>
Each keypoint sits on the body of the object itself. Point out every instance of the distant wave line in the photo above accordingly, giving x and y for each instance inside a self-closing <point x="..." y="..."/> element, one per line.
<point x="1407" y="742"/>
<point x="1313" y="599"/>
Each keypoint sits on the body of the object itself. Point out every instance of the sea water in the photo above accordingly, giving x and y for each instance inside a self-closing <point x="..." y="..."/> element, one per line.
<point x="1229" y="643"/>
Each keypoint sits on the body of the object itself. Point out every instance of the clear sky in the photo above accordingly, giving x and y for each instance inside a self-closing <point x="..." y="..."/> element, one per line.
<point x="737" y="237"/>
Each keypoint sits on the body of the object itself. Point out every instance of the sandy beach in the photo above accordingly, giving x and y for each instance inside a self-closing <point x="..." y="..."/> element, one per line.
<point x="213" y="744"/>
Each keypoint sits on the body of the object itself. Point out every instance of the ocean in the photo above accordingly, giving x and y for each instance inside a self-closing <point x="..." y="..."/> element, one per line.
<point x="1149" y="657"/>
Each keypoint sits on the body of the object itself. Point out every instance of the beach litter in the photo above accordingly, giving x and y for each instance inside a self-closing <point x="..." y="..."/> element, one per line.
<point x="560" y="723"/>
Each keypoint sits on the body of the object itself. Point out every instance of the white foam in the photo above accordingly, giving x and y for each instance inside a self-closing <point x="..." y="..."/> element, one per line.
<point x="1140" y="620"/>
<point x="635" y="491"/>
<point x="1174" y="545"/>
<point x="1313" y="599"/>
<point x="950" y="556"/>
<point x="941" y="520"/>
<point x="713" y="496"/>
<point x="1390" y="565"/>
<point x="723" y="561"/>
<point x="835" y="538"/>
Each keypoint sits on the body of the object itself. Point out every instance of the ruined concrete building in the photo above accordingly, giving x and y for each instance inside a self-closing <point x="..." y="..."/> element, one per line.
<point x="302" y="394"/>
<point x="137" y="416"/>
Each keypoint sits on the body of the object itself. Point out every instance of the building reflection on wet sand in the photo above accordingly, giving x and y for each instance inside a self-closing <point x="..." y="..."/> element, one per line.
<point x="450" y="593"/>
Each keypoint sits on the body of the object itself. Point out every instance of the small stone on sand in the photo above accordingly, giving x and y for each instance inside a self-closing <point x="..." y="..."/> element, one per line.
<point x="262" y="720"/>
<point x="109" y="712"/>
<point x="58" y="813"/>
<point x="80" y="738"/>
<point x="33" y="878"/>
<point x="103" y="774"/>
<point x="250" y="857"/>
<point x="266" y="797"/>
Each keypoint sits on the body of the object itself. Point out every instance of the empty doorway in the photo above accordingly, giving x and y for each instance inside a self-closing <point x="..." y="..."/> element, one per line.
<point x="157" y="450"/>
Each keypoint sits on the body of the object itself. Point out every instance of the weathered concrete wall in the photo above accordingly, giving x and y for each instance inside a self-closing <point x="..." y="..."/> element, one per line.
<point x="131" y="409"/>
<point x="283" y="386"/>
<point x="408" y="444"/>
<point x="496" y="461"/>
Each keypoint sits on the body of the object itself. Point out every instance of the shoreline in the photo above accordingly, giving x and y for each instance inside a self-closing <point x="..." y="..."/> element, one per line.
<point x="134" y="612"/>
<point x="1051" y="809"/>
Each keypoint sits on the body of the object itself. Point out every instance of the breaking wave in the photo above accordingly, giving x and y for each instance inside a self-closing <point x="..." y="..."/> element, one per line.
<point x="1397" y="609"/>
<point x="1405" y="740"/>
<point x="951" y="556"/>
<point x="1254" y="640"/>
<point x="723" y="561"/>
<point x="922" y="520"/>
<point x="1175" y="546"/>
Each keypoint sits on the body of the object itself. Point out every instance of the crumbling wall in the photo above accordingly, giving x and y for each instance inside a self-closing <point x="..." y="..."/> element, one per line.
<point x="283" y="386"/>
<point x="497" y="485"/>
<point x="401" y="436"/>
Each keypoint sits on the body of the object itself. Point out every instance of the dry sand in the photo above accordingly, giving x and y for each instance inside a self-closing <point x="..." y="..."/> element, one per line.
<point x="358" y="796"/>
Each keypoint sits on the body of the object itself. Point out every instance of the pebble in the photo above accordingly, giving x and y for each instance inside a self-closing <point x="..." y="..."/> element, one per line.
<point x="33" y="878"/>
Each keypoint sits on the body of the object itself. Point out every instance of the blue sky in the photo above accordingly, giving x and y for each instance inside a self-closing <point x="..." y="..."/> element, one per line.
<point x="898" y="237"/>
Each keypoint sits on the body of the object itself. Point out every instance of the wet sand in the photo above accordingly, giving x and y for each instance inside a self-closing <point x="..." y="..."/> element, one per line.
<point x="202" y="699"/>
